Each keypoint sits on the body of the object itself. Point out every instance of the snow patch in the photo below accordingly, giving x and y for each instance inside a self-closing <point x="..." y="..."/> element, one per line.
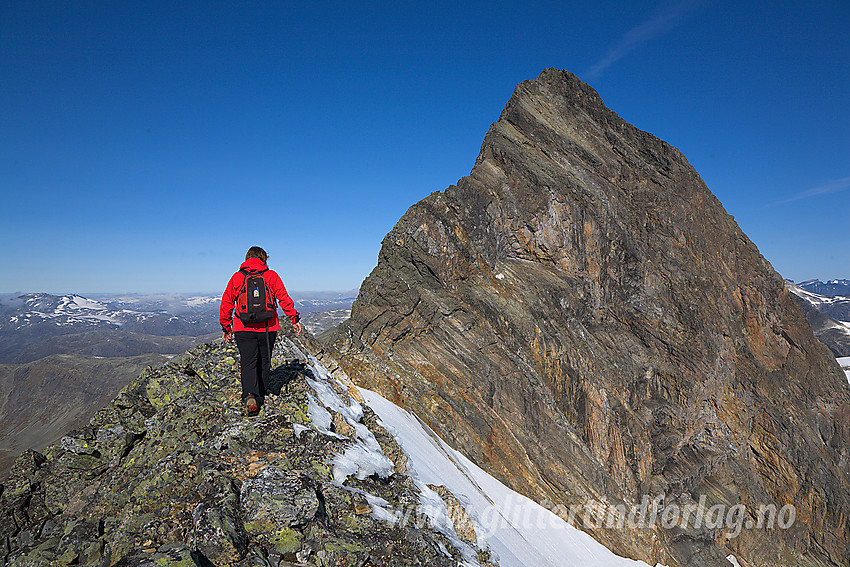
<point x="201" y="301"/>
<point x="320" y="417"/>
<point x="844" y="362"/>
<point x="361" y="462"/>
<point x="80" y="302"/>
<point x="381" y="509"/>
<point x="298" y="429"/>
<point x="433" y="506"/>
<point x="516" y="529"/>
<point x="364" y="457"/>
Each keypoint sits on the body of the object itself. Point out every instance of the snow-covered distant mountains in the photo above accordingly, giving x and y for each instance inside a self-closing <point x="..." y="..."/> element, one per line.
<point x="42" y="311"/>
<point x="35" y="325"/>
<point x="829" y="316"/>
<point x="829" y="301"/>
<point x="828" y="288"/>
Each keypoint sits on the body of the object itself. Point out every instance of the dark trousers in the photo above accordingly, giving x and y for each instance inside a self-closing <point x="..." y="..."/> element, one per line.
<point x="256" y="361"/>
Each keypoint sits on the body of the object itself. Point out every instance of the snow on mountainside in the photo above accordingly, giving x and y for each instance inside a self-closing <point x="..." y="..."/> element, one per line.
<point x="836" y="306"/>
<point x="828" y="316"/>
<point x="517" y="530"/>
<point x="829" y="288"/>
<point x="832" y="297"/>
<point x="29" y="309"/>
<point x="51" y="313"/>
<point x="844" y="361"/>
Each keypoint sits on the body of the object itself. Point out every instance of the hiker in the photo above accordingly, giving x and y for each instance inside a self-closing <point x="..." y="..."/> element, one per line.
<point x="256" y="325"/>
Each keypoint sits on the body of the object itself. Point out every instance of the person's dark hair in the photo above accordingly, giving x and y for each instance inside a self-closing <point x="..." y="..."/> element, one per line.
<point x="257" y="252"/>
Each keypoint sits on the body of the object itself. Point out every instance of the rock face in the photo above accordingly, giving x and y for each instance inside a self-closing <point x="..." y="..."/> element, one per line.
<point x="582" y="318"/>
<point x="171" y="472"/>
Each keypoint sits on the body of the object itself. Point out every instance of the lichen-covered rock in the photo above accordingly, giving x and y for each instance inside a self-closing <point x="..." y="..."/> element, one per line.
<point x="172" y="473"/>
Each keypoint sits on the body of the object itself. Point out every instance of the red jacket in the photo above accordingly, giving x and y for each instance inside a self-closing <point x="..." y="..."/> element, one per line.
<point x="274" y="287"/>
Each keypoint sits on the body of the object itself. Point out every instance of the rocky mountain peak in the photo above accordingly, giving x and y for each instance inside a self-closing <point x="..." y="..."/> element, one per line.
<point x="582" y="317"/>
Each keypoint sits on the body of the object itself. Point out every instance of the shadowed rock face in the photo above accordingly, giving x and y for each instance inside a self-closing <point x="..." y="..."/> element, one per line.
<point x="582" y="318"/>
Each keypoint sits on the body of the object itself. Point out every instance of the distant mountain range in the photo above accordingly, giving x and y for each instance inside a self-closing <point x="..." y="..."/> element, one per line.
<point x="828" y="288"/>
<point x="836" y="305"/>
<point x="35" y="325"/>
<point x="829" y="316"/>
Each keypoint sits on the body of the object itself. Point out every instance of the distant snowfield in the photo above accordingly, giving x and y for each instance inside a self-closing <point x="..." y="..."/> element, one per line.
<point x="520" y="532"/>
<point x="844" y="361"/>
<point x="816" y="298"/>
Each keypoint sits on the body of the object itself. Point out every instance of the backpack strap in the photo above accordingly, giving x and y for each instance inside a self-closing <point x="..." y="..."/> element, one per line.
<point x="246" y="273"/>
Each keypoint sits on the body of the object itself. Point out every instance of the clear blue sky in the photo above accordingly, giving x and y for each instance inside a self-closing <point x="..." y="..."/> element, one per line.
<point x="144" y="146"/>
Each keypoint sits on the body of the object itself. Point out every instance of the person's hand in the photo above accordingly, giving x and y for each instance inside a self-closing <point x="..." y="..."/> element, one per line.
<point x="226" y="335"/>
<point x="297" y="328"/>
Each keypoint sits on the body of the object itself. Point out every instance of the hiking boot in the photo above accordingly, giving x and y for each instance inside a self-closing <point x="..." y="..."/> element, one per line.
<point x="251" y="406"/>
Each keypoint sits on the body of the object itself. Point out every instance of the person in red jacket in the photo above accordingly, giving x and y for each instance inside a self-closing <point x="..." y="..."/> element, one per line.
<point x="254" y="339"/>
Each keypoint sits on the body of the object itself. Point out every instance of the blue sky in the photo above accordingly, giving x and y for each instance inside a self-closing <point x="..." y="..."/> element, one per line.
<point x="145" y="146"/>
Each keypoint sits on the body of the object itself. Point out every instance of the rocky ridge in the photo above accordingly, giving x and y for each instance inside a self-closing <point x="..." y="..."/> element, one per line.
<point x="41" y="401"/>
<point x="172" y="473"/>
<point x="582" y="318"/>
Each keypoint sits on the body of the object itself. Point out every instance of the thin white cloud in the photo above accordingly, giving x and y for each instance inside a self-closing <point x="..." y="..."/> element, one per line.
<point x="660" y="22"/>
<point x="833" y="186"/>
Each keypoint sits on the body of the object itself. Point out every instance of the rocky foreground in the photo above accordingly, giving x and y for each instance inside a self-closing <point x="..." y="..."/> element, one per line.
<point x="172" y="473"/>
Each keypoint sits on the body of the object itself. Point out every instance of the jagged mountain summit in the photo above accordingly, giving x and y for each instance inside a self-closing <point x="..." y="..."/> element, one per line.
<point x="582" y="318"/>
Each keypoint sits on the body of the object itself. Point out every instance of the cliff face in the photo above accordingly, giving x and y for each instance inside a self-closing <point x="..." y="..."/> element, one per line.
<point x="582" y="318"/>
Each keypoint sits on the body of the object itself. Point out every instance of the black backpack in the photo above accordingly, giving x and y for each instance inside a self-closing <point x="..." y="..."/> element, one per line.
<point x="253" y="304"/>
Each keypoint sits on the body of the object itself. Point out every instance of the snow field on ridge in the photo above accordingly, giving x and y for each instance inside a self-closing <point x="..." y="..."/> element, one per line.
<point x="364" y="458"/>
<point x="519" y="532"/>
